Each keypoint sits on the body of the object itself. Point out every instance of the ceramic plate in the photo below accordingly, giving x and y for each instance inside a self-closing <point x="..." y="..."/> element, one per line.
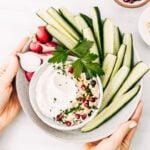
<point x="104" y="130"/>
<point x="143" y="26"/>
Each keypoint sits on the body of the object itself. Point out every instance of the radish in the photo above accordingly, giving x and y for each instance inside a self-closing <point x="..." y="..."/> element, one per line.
<point x="45" y="56"/>
<point x="29" y="75"/>
<point x="36" y="47"/>
<point x="30" y="61"/>
<point x="49" y="46"/>
<point x="42" y="35"/>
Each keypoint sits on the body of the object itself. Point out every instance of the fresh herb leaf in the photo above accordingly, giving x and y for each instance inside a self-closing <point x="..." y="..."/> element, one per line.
<point x="94" y="68"/>
<point x="89" y="57"/>
<point x="83" y="47"/>
<point x="60" y="55"/>
<point x="84" y="62"/>
<point x="77" y="67"/>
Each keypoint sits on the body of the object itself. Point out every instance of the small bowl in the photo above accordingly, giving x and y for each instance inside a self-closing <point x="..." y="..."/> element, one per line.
<point x="51" y="122"/>
<point x="142" y="26"/>
<point x="132" y="5"/>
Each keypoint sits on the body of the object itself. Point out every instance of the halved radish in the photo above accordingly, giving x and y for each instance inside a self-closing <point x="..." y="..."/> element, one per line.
<point x="42" y="35"/>
<point x="36" y="47"/>
<point x="50" y="46"/>
<point x="30" y="61"/>
<point x="45" y="56"/>
<point x="29" y="75"/>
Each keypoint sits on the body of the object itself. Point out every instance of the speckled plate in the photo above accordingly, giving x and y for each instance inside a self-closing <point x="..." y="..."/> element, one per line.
<point x="104" y="130"/>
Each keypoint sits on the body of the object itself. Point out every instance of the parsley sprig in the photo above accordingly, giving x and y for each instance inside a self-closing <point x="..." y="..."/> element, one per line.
<point x="85" y="62"/>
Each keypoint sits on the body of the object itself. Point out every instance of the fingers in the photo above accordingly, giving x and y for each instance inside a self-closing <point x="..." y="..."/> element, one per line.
<point x="20" y="47"/>
<point x="136" y="116"/>
<point x="121" y="133"/>
<point x="10" y="71"/>
<point x="138" y="112"/>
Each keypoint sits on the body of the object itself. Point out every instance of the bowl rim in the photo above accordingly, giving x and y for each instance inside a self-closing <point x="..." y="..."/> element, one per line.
<point x="54" y="124"/>
<point x="127" y="5"/>
<point x="139" y="25"/>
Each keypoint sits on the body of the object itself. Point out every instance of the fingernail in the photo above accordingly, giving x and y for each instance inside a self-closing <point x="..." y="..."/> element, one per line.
<point x="132" y="125"/>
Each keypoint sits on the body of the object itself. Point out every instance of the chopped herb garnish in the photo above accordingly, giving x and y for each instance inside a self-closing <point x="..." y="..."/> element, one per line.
<point x="55" y="99"/>
<point x="94" y="107"/>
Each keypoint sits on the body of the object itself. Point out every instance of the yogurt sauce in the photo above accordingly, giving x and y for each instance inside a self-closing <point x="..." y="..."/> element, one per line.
<point x="55" y="92"/>
<point x="64" y="98"/>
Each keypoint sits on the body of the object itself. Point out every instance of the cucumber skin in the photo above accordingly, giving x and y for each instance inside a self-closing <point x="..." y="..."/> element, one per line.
<point x="126" y="57"/>
<point x="106" y="119"/>
<point x="104" y="67"/>
<point x="134" y="83"/>
<point x="117" y="67"/>
<point x="99" y="43"/>
<point x="117" y="39"/>
<point x="88" y="20"/>
<point x="54" y="35"/>
<point x="73" y="26"/>
<point x="107" y="101"/>
<point x="75" y="34"/>
<point x="106" y="47"/>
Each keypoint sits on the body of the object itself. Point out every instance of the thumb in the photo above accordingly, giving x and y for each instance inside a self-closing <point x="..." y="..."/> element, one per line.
<point x="11" y="70"/>
<point x="123" y="130"/>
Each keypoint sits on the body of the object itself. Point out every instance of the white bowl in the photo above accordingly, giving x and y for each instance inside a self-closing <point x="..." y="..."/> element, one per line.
<point x="47" y="120"/>
<point x="143" y="30"/>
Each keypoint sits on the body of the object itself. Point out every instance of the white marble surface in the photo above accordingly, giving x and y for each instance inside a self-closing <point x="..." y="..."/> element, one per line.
<point x="17" y="19"/>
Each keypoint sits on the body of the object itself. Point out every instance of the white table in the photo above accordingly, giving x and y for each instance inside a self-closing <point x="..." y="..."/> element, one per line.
<point x="17" y="19"/>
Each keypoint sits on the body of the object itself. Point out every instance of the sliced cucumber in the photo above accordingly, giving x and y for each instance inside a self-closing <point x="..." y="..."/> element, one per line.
<point x="82" y="24"/>
<point x="112" y="109"/>
<point x="108" y="37"/>
<point x="53" y="12"/>
<point x="67" y="42"/>
<point x="88" y="34"/>
<point x="117" y="39"/>
<point x="51" y="21"/>
<point x="127" y="40"/>
<point x="70" y="18"/>
<point x="96" y="20"/>
<point x="114" y="85"/>
<point x="108" y="65"/>
<point x="87" y="19"/>
<point x="139" y="70"/>
<point x="119" y="61"/>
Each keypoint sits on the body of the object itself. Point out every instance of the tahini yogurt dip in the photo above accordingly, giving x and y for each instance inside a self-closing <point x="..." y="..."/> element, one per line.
<point x="65" y="99"/>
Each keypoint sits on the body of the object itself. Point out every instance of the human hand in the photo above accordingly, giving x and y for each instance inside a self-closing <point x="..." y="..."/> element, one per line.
<point x="121" y="139"/>
<point x="9" y="104"/>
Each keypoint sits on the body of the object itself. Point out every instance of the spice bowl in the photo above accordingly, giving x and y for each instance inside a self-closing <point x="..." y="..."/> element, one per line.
<point x="131" y="3"/>
<point x="57" y="122"/>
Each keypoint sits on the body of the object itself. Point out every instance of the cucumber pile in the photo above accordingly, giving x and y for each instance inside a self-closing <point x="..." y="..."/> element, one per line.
<point x="115" y="51"/>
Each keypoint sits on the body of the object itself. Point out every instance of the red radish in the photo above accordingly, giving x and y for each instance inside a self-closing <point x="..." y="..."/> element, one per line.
<point x="48" y="53"/>
<point x="36" y="47"/>
<point x="50" y="46"/>
<point x="29" y="75"/>
<point x="45" y="56"/>
<point x="42" y="35"/>
<point x="30" y="61"/>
